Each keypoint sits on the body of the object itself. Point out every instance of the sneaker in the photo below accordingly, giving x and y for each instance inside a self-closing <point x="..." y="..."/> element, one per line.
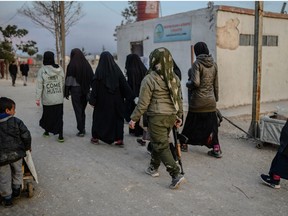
<point x="268" y="180"/>
<point x="61" y="139"/>
<point x="141" y="142"/>
<point x="81" y="133"/>
<point x="7" y="203"/>
<point x="46" y="134"/>
<point x="94" y="140"/>
<point x="152" y="172"/>
<point x="176" y="181"/>
<point x="216" y="154"/>
<point x="16" y="192"/>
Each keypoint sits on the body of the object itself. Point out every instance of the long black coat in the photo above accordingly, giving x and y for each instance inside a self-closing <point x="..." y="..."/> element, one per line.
<point x="108" y="115"/>
<point x="280" y="162"/>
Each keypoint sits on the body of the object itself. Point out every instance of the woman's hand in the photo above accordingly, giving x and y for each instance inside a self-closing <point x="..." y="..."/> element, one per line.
<point x="132" y="124"/>
<point x="38" y="102"/>
<point x="178" y="122"/>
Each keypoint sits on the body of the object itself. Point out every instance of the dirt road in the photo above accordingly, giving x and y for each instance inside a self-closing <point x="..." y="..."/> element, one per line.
<point x="79" y="178"/>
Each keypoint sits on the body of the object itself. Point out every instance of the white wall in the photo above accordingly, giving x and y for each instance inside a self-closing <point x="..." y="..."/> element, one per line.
<point x="235" y="64"/>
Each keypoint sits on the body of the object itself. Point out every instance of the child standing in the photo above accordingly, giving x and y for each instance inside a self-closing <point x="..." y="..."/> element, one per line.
<point x="15" y="140"/>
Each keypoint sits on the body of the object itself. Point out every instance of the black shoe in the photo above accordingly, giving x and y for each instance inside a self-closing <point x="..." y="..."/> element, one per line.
<point x="61" y="139"/>
<point x="16" y="192"/>
<point x="141" y="142"/>
<point x="268" y="180"/>
<point x="176" y="181"/>
<point x="46" y="134"/>
<point x="7" y="203"/>
<point x="81" y="133"/>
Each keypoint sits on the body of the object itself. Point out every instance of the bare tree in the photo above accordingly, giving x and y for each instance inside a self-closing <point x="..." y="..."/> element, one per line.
<point x="129" y="14"/>
<point x="47" y="15"/>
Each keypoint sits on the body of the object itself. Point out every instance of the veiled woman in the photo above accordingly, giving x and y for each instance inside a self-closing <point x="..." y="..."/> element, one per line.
<point x="201" y="125"/>
<point x="135" y="71"/>
<point x="49" y="89"/>
<point x="109" y="89"/>
<point x="78" y="82"/>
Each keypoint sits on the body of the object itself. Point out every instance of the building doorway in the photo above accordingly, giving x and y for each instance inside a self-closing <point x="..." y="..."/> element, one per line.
<point x="137" y="48"/>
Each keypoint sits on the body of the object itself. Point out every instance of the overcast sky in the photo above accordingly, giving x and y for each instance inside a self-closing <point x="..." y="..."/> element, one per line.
<point x="96" y="28"/>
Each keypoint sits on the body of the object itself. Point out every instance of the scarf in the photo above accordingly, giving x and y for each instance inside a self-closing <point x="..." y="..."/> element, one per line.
<point x="108" y="72"/>
<point x="160" y="61"/>
<point x="48" y="59"/>
<point x="135" y="70"/>
<point x="80" y="69"/>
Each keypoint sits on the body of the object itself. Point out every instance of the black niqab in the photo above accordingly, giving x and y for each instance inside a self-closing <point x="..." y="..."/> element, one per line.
<point x="108" y="71"/>
<point x="136" y="71"/>
<point x="80" y="69"/>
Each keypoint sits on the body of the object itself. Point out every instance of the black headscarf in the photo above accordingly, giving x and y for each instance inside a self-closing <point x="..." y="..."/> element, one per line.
<point x="108" y="71"/>
<point x="201" y="48"/>
<point x="177" y="70"/>
<point x="48" y="59"/>
<point x="135" y="70"/>
<point x="80" y="69"/>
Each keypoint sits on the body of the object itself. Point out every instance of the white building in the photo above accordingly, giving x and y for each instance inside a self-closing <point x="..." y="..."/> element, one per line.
<point x="228" y="32"/>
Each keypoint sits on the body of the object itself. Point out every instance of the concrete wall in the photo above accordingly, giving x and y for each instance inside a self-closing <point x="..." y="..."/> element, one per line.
<point x="221" y="30"/>
<point x="235" y="63"/>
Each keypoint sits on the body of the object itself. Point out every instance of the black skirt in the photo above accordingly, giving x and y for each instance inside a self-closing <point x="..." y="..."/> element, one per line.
<point x="201" y="129"/>
<point x="279" y="165"/>
<point x="52" y="118"/>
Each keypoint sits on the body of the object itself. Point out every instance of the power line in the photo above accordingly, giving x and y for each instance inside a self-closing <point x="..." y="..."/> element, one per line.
<point x="111" y="9"/>
<point x="13" y="15"/>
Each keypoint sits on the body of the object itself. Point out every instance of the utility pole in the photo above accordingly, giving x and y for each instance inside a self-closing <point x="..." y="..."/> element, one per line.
<point x="258" y="30"/>
<point x="62" y="18"/>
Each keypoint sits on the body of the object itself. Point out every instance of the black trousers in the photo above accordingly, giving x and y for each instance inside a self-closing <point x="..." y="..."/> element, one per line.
<point x="79" y="102"/>
<point x="13" y="76"/>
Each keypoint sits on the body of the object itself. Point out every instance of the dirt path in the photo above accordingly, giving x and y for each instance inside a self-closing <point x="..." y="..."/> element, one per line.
<point x="79" y="178"/>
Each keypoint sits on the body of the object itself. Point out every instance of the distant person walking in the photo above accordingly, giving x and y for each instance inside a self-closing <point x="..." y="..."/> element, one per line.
<point x="24" y="68"/>
<point x="77" y="84"/>
<point x="109" y="89"/>
<point x="50" y="90"/>
<point x="160" y="95"/>
<point x="13" y="70"/>
<point x="2" y="66"/>
<point x="201" y="125"/>
<point x="279" y="165"/>
<point x="135" y="71"/>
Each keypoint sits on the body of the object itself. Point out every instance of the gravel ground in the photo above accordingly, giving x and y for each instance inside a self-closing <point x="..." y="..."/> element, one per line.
<point x="79" y="178"/>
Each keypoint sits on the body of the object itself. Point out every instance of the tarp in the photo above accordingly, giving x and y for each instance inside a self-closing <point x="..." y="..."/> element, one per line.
<point x="270" y="129"/>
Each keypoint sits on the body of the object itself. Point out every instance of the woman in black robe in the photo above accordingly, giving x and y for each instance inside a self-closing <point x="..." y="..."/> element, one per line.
<point x="78" y="82"/>
<point x="135" y="71"/>
<point x="279" y="164"/>
<point x="109" y="89"/>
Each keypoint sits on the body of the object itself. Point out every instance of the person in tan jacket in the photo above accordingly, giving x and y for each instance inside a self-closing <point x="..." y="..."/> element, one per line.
<point x="160" y="95"/>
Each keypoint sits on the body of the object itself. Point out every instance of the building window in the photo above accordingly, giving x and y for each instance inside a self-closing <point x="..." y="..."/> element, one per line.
<point x="267" y="40"/>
